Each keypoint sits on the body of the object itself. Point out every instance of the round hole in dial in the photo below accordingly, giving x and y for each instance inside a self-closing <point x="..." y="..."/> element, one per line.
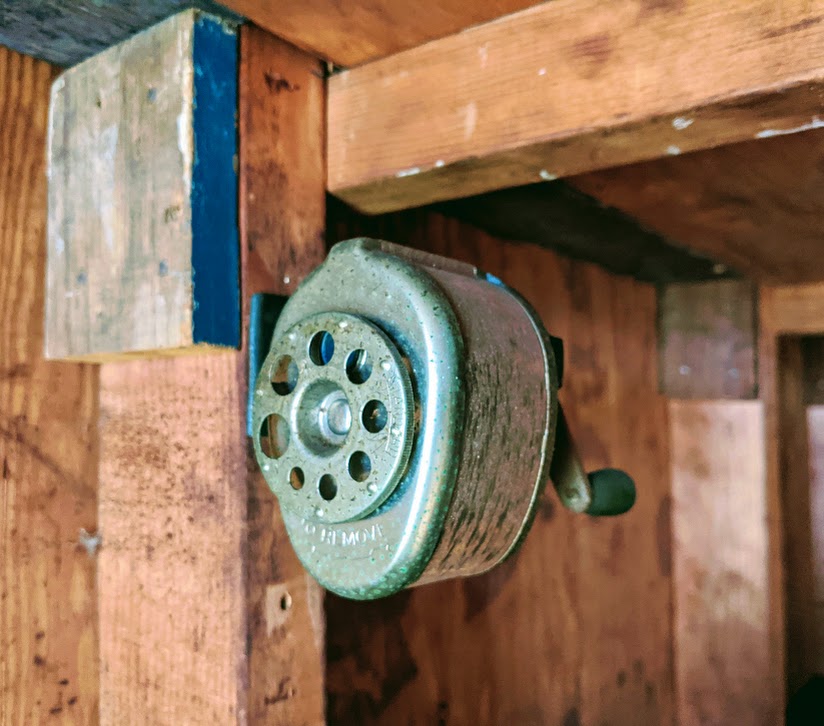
<point x="358" y="366"/>
<point x="296" y="478"/>
<point x="374" y="416"/>
<point x="360" y="466"/>
<point x="321" y="348"/>
<point x="328" y="487"/>
<point x="284" y="375"/>
<point x="274" y="436"/>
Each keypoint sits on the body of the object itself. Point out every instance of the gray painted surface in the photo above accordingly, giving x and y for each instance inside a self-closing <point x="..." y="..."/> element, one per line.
<point x="65" y="32"/>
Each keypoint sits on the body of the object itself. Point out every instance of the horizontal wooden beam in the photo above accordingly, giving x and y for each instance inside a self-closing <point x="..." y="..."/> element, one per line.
<point x="567" y="87"/>
<point x="66" y="32"/>
<point x="356" y="31"/>
<point x="557" y="216"/>
<point x="793" y="309"/>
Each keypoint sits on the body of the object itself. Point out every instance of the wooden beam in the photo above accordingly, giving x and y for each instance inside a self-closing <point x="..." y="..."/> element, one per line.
<point x="557" y="216"/>
<point x="567" y="87"/>
<point x="205" y="613"/>
<point x="707" y="343"/>
<point x="794" y="309"/>
<point x="48" y="446"/>
<point x="66" y="32"/>
<point x="143" y="251"/>
<point x="753" y="206"/>
<point x="720" y="539"/>
<point x="282" y="213"/>
<point x="577" y="627"/>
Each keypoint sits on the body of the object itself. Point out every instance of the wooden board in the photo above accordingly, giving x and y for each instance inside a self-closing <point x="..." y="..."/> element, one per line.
<point x="754" y="206"/>
<point x="142" y="147"/>
<point x="720" y="578"/>
<point x="576" y="628"/>
<point x="198" y="623"/>
<point x="282" y="235"/>
<point x="567" y="87"/>
<point x="48" y="450"/>
<point x="707" y="341"/>
<point x="357" y="31"/>
<point x="557" y="216"/>
<point x="66" y="32"/>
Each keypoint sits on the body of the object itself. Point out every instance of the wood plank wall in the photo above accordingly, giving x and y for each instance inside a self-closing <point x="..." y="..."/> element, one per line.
<point x="48" y="449"/>
<point x="720" y="578"/>
<point x="577" y="628"/>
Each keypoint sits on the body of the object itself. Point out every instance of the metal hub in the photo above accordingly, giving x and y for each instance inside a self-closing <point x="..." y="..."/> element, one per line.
<point x="333" y="417"/>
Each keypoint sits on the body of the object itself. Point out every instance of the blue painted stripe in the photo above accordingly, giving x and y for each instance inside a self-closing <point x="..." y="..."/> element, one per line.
<point x="215" y="246"/>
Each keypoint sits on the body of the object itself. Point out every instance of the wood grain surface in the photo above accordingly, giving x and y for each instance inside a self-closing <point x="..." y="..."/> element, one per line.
<point x="282" y="217"/>
<point x="707" y="340"/>
<point x="753" y="206"/>
<point x="48" y="446"/>
<point x="208" y="617"/>
<point x="720" y="577"/>
<point x="143" y="254"/>
<point x="567" y="87"/>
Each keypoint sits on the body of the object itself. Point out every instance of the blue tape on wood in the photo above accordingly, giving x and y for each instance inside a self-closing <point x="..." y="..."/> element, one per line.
<point x="215" y="247"/>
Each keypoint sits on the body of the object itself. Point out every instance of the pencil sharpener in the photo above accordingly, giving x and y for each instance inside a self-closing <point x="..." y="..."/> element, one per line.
<point x="406" y="417"/>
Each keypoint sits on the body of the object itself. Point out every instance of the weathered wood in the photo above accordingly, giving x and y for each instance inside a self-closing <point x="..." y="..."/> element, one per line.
<point x="720" y="539"/>
<point x="793" y="309"/>
<point x="554" y="215"/>
<point x="753" y="206"/>
<point x="576" y="628"/>
<point x="566" y="87"/>
<point x="143" y="253"/>
<point x="357" y="31"/>
<point x="48" y="449"/>
<point x="707" y="343"/>
<point x="282" y="167"/>
<point x="69" y="31"/>
<point x="785" y="313"/>
<point x="66" y="32"/>
<point x="173" y="522"/>
<point x="794" y="469"/>
<point x="199" y="624"/>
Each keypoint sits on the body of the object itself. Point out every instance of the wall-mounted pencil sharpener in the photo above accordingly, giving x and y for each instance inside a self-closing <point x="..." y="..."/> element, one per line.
<point x="407" y="419"/>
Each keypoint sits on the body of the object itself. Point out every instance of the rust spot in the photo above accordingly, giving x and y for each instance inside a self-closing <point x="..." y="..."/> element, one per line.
<point x="594" y="53"/>
<point x="39" y="661"/>
<point x="663" y="536"/>
<point x="39" y="635"/>
<point x="277" y="83"/>
<point x="621" y="679"/>
<point x="72" y="701"/>
<point x="63" y="681"/>
<point x="54" y="711"/>
<point x="6" y="472"/>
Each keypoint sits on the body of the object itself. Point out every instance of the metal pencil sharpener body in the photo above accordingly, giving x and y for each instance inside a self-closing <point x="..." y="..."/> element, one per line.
<point x="405" y="417"/>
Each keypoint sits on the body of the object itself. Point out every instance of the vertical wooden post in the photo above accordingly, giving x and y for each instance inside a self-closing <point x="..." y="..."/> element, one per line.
<point x="48" y="449"/>
<point x="722" y="636"/>
<point x="205" y="615"/>
<point x="282" y="216"/>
